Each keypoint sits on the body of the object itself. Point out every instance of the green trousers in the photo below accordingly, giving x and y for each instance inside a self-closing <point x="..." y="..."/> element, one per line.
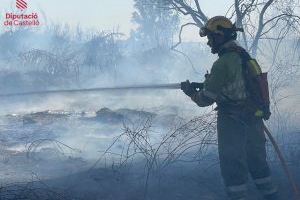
<point x="241" y="144"/>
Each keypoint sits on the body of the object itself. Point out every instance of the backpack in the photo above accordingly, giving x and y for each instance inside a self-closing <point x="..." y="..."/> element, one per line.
<point x="256" y="83"/>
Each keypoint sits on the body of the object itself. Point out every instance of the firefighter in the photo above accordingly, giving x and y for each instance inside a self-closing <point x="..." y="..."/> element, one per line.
<point x="241" y="139"/>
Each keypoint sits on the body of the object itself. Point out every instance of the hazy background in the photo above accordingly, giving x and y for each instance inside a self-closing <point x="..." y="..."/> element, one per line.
<point x="98" y="15"/>
<point x="119" y="145"/>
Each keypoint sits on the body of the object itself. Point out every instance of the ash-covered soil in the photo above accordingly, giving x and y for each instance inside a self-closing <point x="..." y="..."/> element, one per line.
<point x="59" y="155"/>
<point x="51" y="143"/>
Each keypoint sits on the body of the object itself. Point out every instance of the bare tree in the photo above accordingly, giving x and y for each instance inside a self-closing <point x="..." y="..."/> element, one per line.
<point x="258" y="18"/>
<point x="265" y="20"/>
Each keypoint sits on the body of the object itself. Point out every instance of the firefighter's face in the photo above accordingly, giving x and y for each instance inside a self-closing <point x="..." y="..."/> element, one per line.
<point x="210" y="40"/>
<point x="214" y="42"/>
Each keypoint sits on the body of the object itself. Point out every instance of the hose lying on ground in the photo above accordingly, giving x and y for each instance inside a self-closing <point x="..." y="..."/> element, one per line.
<point x="283" y="163"/>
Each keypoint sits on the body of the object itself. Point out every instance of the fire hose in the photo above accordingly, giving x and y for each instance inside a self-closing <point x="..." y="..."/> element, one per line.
<point x="99" y="89"/>
<point x="162" y="86"/>
<point x="283" y="163"/>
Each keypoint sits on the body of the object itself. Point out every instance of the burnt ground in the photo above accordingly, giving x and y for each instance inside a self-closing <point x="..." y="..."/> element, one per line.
<point x="182" y="181"/>
<point x="38" y="162"/>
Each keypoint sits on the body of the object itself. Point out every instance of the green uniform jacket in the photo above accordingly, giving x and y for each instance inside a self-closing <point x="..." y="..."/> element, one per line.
<point x="225" y="82"/>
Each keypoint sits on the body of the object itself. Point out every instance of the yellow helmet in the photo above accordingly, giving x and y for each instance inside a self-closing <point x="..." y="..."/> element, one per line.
<point x="217" y="25"/>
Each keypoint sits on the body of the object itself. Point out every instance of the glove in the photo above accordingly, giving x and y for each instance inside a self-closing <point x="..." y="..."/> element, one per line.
<point x="187" y="88"/>
<point x="263" y="112"/>
<point x="197" y="86"/>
